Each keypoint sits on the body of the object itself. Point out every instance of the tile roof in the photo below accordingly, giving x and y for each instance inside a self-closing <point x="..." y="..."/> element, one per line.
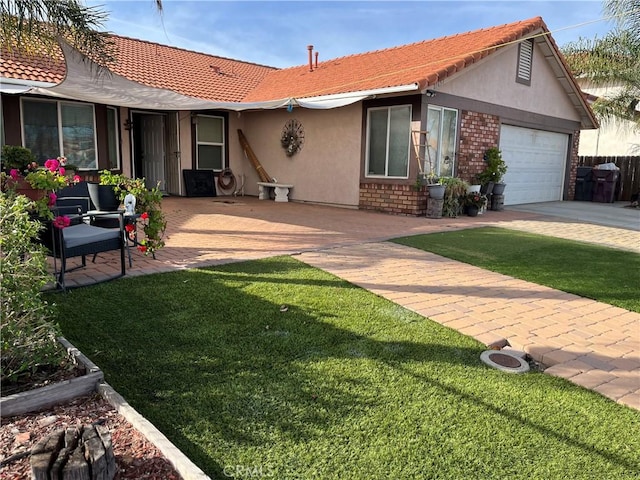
<point x="190" y="73"/>
<point x="222" y="79"/>
<point x="424" y="63"/>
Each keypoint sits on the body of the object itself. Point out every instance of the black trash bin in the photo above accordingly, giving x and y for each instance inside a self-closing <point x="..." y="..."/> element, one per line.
<point x="584" y="184"/>
<point x="604" y="185"/>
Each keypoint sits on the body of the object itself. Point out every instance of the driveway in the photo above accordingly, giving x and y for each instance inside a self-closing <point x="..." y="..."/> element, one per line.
<point x="617" y="214"/>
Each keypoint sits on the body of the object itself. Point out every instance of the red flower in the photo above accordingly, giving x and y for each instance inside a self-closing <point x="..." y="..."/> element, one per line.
<point x="61" y="222"/>
<point x="52" y="164"/>
<point x="129" y="227"/>
<point x="144" y="216"/>
<point x="142" y="248"/>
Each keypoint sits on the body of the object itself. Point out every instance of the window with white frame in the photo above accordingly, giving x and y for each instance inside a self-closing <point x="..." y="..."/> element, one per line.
<point x="210" y="142"/>
<point x="388" y="141"/>
<point x="442" y="129"/>
<point x="52" y="128"/>
<point x="113" y="150"/>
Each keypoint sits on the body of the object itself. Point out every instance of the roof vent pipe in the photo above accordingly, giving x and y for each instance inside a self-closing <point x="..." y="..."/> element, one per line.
<point x="310" y="48"/>
<point x="316" y="54"/>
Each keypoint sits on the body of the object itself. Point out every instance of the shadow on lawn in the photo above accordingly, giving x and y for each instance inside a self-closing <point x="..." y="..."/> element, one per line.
<point x="213" y="365"/>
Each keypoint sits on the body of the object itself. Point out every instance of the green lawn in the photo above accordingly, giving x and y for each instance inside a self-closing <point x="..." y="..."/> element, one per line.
<point x="600" y="273"/>
<point x="341" y="385"/>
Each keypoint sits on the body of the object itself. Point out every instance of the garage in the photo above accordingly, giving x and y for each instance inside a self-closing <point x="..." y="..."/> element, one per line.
<point x="536" y="161"/>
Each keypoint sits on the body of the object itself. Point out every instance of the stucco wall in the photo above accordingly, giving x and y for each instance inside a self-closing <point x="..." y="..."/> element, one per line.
<point x="326" y="170"/>
<point x="493" y="80"/>
<point x="615" y="138"/>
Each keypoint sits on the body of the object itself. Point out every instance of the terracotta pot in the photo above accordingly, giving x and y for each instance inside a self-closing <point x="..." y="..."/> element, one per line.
<point x="22" y="187"/>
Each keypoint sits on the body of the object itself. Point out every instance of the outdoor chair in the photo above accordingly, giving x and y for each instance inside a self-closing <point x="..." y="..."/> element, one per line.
<point x="81" y="239"/>
<point x="79" y="195"/>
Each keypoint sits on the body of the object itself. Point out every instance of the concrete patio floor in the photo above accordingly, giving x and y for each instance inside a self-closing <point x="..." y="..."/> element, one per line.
<point x="591" y="344"/>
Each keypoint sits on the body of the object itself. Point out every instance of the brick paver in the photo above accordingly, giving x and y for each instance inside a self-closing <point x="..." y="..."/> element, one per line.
<point x="591" y="344"/>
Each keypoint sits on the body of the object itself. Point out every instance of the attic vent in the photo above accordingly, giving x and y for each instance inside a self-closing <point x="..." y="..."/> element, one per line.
<point x="525" y="59"/>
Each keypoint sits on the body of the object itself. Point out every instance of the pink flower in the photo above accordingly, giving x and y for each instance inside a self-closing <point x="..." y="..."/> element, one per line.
<point x="61" y="221"/>
<point x="76" y="179"/>
<point x="62" y="160"/>
<point x="52" y="164"/>
<point x="61" y="170"/>
<point x="144" y="216"/>
<point x="14" y="173"/>
<point x="52" y="199"/>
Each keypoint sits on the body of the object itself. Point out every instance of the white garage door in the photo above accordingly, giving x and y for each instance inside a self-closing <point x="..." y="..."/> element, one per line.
<point x="536" y="162"/>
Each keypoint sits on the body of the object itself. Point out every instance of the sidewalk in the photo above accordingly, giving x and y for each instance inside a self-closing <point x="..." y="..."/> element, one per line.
<point x="592" y="344"/>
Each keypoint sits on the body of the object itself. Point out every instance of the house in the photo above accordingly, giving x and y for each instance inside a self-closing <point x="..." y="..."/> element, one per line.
<point x="617" y="138"/>
<point x="353" y="131"/>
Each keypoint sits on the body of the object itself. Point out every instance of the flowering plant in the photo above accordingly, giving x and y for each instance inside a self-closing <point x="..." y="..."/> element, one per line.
<point x="148" y="204"/>
<point x="475" y="199"/>
<point x="44" y="181"/>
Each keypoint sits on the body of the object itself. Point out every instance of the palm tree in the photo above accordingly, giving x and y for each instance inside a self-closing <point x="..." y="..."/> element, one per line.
<point x="613" y="61"/>
<point x="37" y="25"/>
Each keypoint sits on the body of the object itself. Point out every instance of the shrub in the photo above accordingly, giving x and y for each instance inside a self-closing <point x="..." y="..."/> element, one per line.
<point x="28" y="336"/>
<point x="454" y="194"/>
<point x="495" y="169"/>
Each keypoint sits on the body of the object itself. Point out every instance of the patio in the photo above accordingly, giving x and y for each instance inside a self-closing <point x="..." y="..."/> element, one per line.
<point x="592" y="344"/>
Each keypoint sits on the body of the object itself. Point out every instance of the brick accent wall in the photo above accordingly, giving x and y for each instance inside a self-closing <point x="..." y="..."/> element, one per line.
<point x="573" y="169"/>
<point x="478" y="132"/>
<point x="396" y="199"/>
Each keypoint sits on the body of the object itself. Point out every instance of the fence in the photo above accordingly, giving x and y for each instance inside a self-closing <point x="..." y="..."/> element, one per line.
<point x="629" y="180"/>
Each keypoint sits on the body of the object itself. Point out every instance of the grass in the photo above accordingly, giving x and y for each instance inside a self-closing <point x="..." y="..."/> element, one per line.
<point x="343" y="384"/>
<point x="600" y="273"/>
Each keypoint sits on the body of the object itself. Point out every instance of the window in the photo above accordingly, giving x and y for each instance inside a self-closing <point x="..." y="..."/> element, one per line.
<point x="54" y="128"/>
<point x="112" y="139"/>
<point x="388" y="141"/>
<point x="442" y="126"/>
<point x="210" y="142"/>
<point x="525" y="60"/>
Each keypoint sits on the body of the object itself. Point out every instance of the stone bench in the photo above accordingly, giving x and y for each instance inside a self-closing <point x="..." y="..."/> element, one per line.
<point x="281" y="191"/>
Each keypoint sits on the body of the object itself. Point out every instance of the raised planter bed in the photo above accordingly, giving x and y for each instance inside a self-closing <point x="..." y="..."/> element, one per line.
<point x="44" y="397"/>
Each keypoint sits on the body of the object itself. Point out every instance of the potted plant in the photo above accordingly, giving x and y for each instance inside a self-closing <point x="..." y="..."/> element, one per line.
<point x="15" y="157"/>
<point x="148" y="206"/>
<point x="493" y="172"/>
<point x="455" y="191"/>
<point x="474" y="202"/>
<point x="39" y="184"/>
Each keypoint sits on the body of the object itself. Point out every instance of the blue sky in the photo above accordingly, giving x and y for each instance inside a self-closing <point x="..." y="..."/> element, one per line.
<point x="277" y="33"/>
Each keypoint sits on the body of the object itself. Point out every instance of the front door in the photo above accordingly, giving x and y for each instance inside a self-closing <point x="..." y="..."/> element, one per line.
<point x="150" y="148"/>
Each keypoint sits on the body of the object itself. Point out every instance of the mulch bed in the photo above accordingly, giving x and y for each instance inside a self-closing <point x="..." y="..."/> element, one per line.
<point x="136" y="458"/>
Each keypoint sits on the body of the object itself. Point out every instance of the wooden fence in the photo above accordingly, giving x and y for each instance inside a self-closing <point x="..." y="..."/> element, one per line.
<point x="629" y="179"/>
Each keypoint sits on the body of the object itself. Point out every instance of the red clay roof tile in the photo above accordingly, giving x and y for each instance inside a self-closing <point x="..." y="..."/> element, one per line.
<point x="189" y="73"/>
<point x="424" y="63"/>
<point x="222" y="79"/>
